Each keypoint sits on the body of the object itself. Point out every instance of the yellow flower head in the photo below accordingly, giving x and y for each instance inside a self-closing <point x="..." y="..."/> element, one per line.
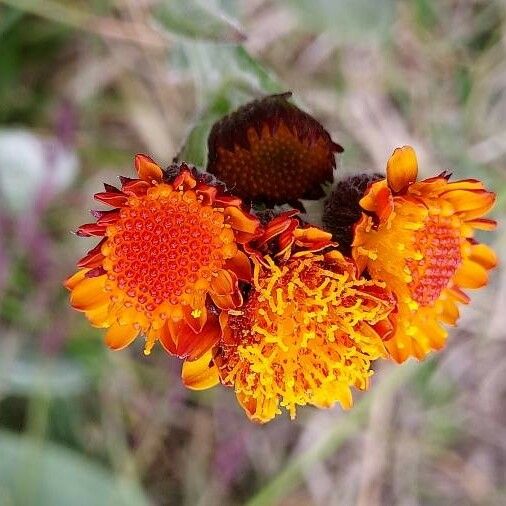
<point x="307" y="332"/>
<point x="417" y="236"/>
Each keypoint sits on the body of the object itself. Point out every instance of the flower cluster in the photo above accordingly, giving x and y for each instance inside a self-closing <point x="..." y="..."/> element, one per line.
<point x="252" y="296"/>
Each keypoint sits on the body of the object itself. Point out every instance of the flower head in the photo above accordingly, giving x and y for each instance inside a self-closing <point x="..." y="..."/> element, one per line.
<point x="417" y="236"/>
<point x="270" y="151"/>
<point x="170" y="256"/>
<point x="308" y="330"/>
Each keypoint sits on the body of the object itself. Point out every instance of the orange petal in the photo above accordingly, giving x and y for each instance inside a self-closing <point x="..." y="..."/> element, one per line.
<point x="195" y="317"/>
<point x="385" y="329"/>
<point x="120" y="336"/>
<point x="468" y="216"/>
<point x="207" y="193"/>
<point x="312" y="237"/>
<point x="224" y="283"/>
<point x="397" y="352"/>
<point x="147" y="169"/>
<point x="261" y="409"/>
<point x="226" y="302"/>
<point x="459" y="295"/>
<point x="89" y="294"/>
<point x="378" y="200"/>
<point x="470" y="200"/>
<point x="227" y="200"/>
<point x="436" y="333"/>
<point x="225" y="290"/>
<point x="200" y="374"/>
<point x="402" y="168"/>
<point x="483" y="255"/>
<point x="241" y="221"/>
<point x="184" y="179"/>
<point x="470" y="275"/>
<point x="71" y="282"/>
<point x="466" y="184"/>
<point x="450" y="313"/>
<point x="179" y="339"/>
<point x="240" y="265"/>
<point x="99" y="316"/>
<point x="482" y="224"/>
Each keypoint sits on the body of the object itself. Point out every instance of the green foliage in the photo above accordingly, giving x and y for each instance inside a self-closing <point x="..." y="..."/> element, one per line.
<point x="25" y="42"/>
<point x="52" y="378"/>
<point x="227" y="76"/>
<point x="347" y="20"/>
<point x="39" y="473"/>
<point x="198" y="19"/>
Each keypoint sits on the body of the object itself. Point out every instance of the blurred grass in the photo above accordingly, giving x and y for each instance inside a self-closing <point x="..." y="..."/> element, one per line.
<point x="109" y="79"/>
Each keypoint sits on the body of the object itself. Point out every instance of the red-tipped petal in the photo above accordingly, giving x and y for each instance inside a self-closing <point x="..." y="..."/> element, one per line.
<point x="112" y="199"/>
<point x="91" y="229"/>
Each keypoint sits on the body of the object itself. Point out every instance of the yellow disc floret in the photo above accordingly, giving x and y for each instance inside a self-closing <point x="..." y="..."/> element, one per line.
<point x="305" y="336"/>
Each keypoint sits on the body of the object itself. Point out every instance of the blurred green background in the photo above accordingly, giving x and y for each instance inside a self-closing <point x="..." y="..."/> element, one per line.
<point x="84" y="86"/>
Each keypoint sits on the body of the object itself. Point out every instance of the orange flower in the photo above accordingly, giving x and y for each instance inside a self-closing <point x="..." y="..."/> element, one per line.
<point x="308" y="331"/>
<point x="270" y="151"/>
<point x="417" y="236"/>
<point x="172" y="239"/>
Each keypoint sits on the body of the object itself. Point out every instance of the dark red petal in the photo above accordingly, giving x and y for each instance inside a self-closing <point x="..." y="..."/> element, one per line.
<point x="97" y="271"/>
<point x="106" y="217"/>
<point x="89" y="260"/>
<point x="111" y="189"/>
<point x="91" y="229"/>
<point x="112" y="199"/>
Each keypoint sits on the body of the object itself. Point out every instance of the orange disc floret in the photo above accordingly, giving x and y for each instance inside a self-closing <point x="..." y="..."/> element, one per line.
<point x="173" y="239"/>
<point x="417" y="236"/>
<point x="270" y="151"/>
<point x="308" y="332"/>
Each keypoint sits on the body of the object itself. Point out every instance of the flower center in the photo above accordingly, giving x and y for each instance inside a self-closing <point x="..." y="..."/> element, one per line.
<point x="439" y="245"/>
<point x="165" y="247"/>
<point x="276" y="166"/>
<point x="301" y="338"/>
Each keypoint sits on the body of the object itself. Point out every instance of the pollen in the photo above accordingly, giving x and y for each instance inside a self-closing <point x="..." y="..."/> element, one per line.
<point x="440" y="256"/>
<point x="165" y="246"/>
<point x="304" y="337"/>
